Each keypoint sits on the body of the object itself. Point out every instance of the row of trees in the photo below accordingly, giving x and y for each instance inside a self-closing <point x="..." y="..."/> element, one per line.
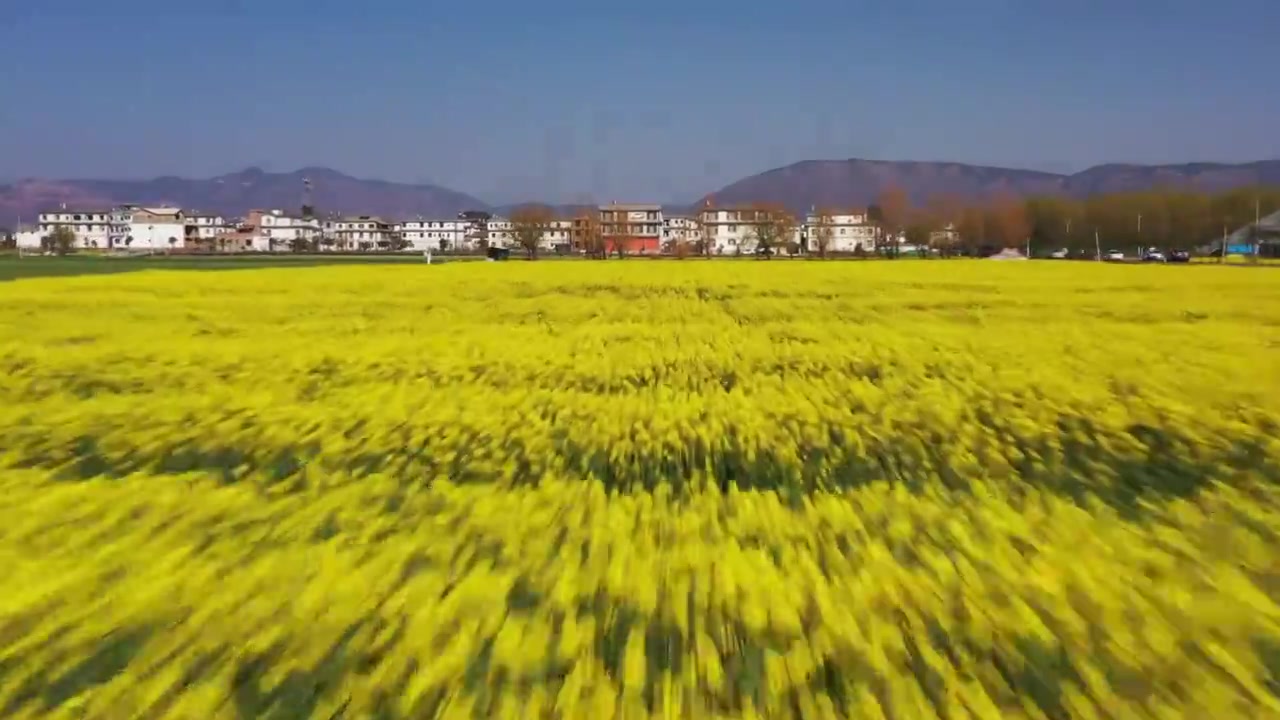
<point x="1167" y="218"/>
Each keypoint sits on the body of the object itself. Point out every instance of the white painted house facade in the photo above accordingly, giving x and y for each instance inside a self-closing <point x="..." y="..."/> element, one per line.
<point x="677" y="229"/>
<point x="849" y="231"/>
<point x="732" y="231"/>
<point x="152" y="228"/>
<point x="360" y="232"/>
<point x="434" y="235"/>
<point x="92" y="228"/>
<point x="204" y="228"/>
<point x="278" y="232"/>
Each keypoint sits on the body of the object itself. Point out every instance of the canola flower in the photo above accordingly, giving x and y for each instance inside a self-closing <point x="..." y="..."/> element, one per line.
<point x="782" y="489"/>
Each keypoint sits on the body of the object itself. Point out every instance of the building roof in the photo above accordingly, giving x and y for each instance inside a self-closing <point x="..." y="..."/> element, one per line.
<point x="632" y="207"/>
<point x="75" y="211"/>
<point x="175" y="212"/>
<point x="1267" y="225"/>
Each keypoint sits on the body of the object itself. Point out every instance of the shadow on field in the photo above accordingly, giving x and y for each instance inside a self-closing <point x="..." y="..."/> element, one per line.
<point x="1076" y="461"/>
<point x="15" y="268"/>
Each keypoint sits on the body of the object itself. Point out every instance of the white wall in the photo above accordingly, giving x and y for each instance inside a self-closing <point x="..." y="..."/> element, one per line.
<point x="848" y="233"/>
<point x="425" y="235"/>
<point x="279" y="232"/>
<point x="29" y="239"/>
<point x="90" y="229"/>
<point x="155" y="235"/>
<point x="207" y="228"/>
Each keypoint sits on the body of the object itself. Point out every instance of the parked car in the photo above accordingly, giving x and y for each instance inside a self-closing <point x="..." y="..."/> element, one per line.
<point x="1059" y="254"/>
<point x="1179" y="256"/>
<point x="1113" y="255"/>
<point x="498" y="253"/>
<point x="1153" y="256"/>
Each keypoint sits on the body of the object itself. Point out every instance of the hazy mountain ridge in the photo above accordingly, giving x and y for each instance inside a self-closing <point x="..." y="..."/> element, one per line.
<point x="236" y="193"/>
<point x="857" y="182"/>
<point x="852" y="182"/>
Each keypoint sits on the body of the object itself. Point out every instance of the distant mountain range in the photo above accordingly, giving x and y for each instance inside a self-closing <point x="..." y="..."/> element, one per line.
<point x="859" y="182"/>
<point x="237" y="193"/>
<point x="851" y="182"/>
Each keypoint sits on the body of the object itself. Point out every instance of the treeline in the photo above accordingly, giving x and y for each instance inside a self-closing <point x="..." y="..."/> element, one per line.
<point x="1174" y="219"/>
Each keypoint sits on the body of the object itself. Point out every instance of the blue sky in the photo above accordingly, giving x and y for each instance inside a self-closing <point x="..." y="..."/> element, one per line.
<point x="662" y="100"/>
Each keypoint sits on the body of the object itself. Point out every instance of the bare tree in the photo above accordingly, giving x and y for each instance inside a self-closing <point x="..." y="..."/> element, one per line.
<point x="772" y="227"/>
<point x="1009" y="220"/>
<point x="706" y="217"/>
<point x="589" y="235"/>
<point x="895" y="213"/>
<point x="823" y="231"/>
<point x="943" y="215"/>
<point x="529" y="225"/>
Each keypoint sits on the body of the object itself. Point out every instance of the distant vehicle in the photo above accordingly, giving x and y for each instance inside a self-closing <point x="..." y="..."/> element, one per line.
<point x="1179" y="256"/>
<point x="1059" y="254"/>
<point x="1113" y="255"/>
<point x="764" y="252"/>
<point x="1153" y="256"/>
<point x="498" y="253"/>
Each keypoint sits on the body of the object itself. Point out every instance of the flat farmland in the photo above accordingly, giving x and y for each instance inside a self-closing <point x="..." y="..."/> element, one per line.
<point x="954" y="489"/>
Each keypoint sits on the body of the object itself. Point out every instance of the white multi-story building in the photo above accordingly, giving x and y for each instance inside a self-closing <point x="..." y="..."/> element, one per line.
<point x="848" y="231"/>
<point x="92" y="228"/>
<point x="361" y="232"/>
<point x="203" y="229"/>
<point x="734" y="230"/>
<point x="152" y="228"/>
<point x="277" y="231"/>
<point x="476" y="233"/>
<point x="677" y="229"/>
<point x="435" y="235"/>
<point x="498" y="232"/>
<point x="558" y="233"/>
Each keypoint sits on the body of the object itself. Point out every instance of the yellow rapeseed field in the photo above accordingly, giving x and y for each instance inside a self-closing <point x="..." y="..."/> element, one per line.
<point x="642" y="489"/>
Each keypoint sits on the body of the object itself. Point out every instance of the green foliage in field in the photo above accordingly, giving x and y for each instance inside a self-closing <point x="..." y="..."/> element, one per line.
<point x="642" y="490"/>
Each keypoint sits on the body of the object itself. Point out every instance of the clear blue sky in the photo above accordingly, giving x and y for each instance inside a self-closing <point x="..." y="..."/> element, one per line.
<point x="660" y="100"/>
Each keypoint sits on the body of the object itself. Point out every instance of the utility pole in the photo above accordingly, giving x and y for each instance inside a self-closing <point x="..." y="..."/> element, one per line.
<point x="1097" y="246"/>
<point x="1257" y="221"/>
<point x="1223" y="257"/>
<point x="1141" y="249"/>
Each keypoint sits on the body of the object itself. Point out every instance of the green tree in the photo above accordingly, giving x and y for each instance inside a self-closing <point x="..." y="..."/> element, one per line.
<point x="917" y="234"/>
<point x="1055" y="223"/>
<point x="61" y="241"/>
